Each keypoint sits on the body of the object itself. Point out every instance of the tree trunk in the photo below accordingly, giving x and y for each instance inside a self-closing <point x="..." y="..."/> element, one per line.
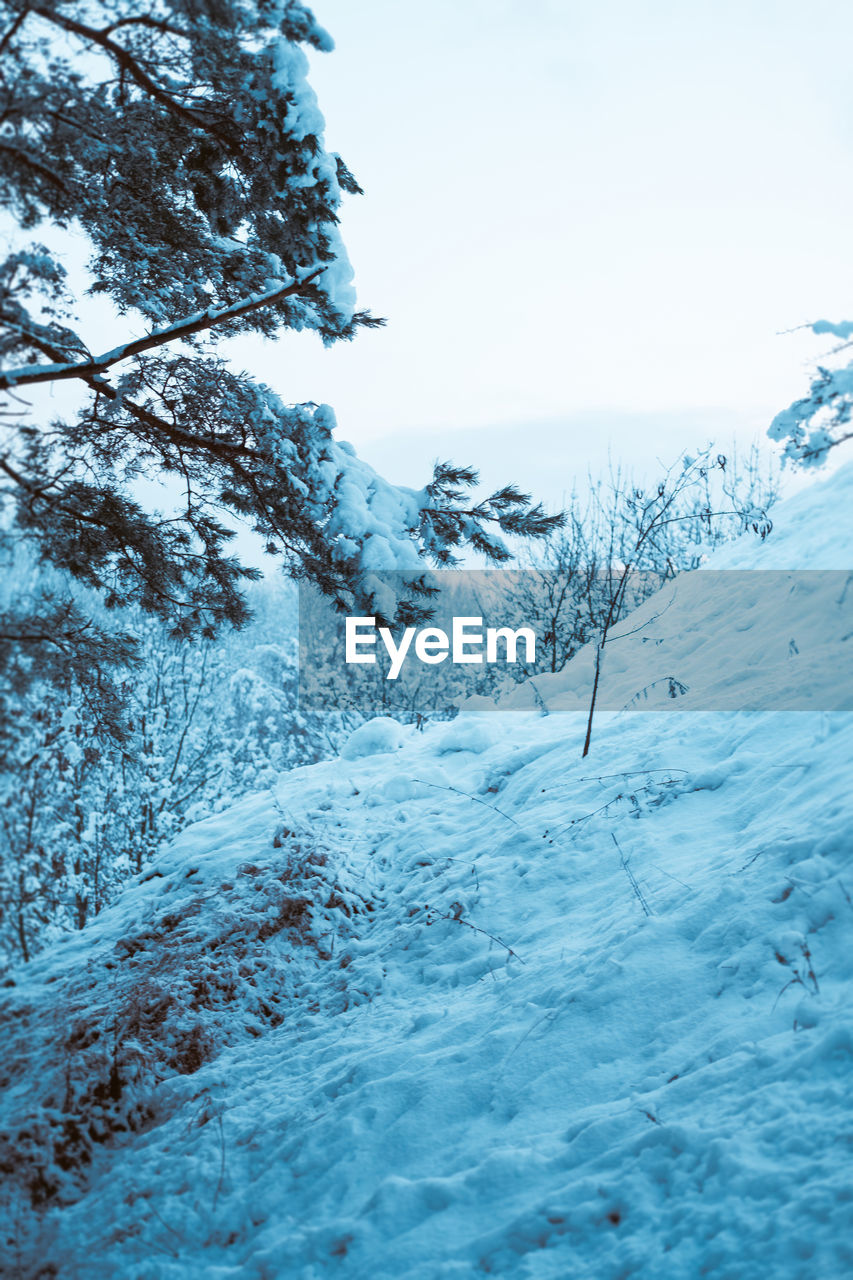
<point x="599" y="652"/>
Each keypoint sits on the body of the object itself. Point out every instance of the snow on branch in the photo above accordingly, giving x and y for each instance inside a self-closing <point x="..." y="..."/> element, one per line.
<point x="820" y="421"/>
<point x="198" y="323"/>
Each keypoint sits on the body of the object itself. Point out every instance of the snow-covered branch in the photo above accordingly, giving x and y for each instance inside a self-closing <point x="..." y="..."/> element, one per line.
<point x="27" y="375"/>
<point x="809" y="428"/>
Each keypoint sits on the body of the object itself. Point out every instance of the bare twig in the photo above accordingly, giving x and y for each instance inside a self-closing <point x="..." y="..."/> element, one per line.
<point x="485" y="932"/>
<point x="647" y="623"/>
<point x="622" y="795"/>
<point x="683" y="884"/>
<point x="632" y="878"/>
<point x="466" y="795"/>
<point x="436" y="786"/>
<point x="675" y="689"/>
<point x="222" y="1162"/>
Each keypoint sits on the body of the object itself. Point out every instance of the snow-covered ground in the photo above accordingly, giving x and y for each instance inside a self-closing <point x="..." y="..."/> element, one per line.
<point x="475" y="1005"/>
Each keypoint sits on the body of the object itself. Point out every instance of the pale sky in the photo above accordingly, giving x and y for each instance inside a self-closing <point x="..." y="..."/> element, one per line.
<point x="587" y="224"/>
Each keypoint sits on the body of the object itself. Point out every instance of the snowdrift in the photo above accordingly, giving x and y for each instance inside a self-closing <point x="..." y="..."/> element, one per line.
<point x="466" y="1004"/>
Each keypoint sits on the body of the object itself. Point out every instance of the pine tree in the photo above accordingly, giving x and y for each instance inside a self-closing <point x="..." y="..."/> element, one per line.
<point x="185" y="142"/>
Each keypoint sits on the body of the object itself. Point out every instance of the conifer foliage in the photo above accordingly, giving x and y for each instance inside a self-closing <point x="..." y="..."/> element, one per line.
<point x="814" y="425"/>
<point x="184" y="140"/>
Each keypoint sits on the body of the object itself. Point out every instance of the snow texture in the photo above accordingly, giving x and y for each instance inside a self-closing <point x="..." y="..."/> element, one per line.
<point x="377" y="737"/>
<point x="476" y="1006"/>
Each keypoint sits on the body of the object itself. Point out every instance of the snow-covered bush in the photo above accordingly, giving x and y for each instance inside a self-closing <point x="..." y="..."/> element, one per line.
<point x="809" y="428"/>
<point x="83" y="807"/>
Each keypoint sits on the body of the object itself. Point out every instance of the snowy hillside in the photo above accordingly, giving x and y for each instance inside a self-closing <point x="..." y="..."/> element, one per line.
<point x="476" y="1006"/>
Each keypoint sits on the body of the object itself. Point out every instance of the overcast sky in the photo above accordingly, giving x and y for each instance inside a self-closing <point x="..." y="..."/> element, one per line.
<point x="585" y="223"/>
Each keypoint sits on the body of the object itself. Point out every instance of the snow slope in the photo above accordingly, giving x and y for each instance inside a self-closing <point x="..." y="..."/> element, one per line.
<point x="476" y="1006"/>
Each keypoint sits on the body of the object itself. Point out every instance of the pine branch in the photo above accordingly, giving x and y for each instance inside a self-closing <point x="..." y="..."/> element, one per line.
<point x="128" y="64"/>
<point x="12" y="31"/>
<point x="35" y="165"/>
<point x="143" y="20"/>
<point x="198" y="323"/>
